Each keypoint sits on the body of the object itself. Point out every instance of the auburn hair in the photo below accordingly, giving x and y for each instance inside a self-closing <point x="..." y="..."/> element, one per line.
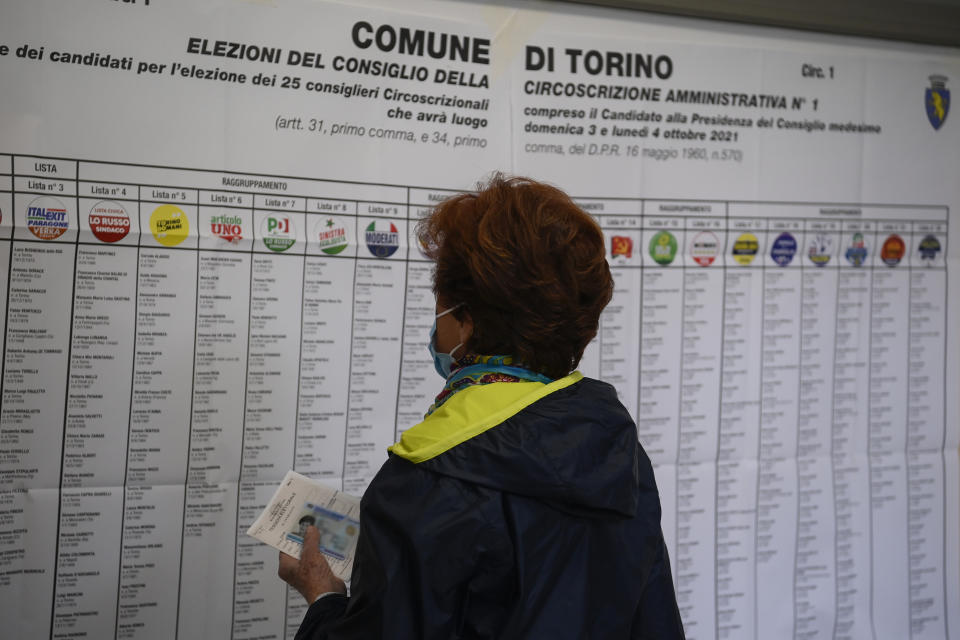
<point x="527" y="264"/>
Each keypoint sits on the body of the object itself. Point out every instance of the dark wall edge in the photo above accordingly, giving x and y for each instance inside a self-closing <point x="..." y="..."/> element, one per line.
<point x="924" y="22"/>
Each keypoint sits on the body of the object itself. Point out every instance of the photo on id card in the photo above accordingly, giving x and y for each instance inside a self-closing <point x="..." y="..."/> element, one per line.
<point x="337" y="531"/>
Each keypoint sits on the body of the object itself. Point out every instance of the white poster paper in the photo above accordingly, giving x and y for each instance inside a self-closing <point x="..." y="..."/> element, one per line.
<point x="209" y="275"/>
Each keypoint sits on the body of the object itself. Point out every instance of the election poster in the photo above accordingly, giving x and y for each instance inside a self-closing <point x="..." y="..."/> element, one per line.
<point x="209" y="276"/>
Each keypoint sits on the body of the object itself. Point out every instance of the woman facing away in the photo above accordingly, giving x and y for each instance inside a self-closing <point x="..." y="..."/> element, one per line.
<point x="522" y="506"/>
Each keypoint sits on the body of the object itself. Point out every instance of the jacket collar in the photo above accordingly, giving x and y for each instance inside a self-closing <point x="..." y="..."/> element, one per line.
<point x="471" y="412"/>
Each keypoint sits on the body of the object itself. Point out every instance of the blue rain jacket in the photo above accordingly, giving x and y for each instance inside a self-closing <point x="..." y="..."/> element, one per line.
<point x="516" y="510"/>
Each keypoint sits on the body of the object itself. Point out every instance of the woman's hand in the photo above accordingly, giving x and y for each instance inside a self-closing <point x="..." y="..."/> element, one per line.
<point x="310" y="575"/>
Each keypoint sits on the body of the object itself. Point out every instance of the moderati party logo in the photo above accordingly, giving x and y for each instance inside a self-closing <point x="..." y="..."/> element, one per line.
<point x="278" y="231"/>
<point x="169" y="225"/>
<point x="109" y="221"/>
<point x="704" y="248"/>
<point x="745" y="248"/>
<point x="382" y="238"/>
<point x="856" y="253"/>
<point x="663" y="247"/>
<point x="783" y="249"/>
<point x="47" y="218"/>
<point x="893" y="250"/>
<point x="228" y="228"/>
<point x="928" y="248"/>
<point x="331" y="235"/>
<point x="820" y="249"/>
<point x="621" y="246"/>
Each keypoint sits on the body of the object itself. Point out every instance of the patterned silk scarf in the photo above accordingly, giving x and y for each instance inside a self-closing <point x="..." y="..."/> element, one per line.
<point x="471" y="370"/>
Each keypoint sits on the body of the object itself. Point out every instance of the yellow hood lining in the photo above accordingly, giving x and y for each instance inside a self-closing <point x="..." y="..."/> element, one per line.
<point x="469" y="413"/>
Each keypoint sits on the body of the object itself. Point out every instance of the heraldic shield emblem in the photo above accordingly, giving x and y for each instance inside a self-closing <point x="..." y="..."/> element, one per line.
<point x="937" y="100"/>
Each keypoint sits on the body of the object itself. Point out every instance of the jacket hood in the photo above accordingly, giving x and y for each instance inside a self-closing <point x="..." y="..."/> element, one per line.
<point x="570" y="443"/>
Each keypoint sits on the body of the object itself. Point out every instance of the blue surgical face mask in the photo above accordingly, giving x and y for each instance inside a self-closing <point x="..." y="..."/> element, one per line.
<point x="442" y="362"/>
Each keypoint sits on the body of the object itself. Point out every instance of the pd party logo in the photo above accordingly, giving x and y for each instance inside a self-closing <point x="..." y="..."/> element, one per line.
<point x="621" y="246"/>
<point x="893" y="250"/>
<point x="704" y="248"/>
<point x="856" y="253"/>
<point x="278" y="231"/>
<point x="331" y="235"/>
<point x="783" y="249"/>
<point x="663" y="247"/>
<point x="745" y="248"/>
<point x="819" y="249"/>
<point x="382" y="238"/>
<point x="47" y="218"/>
<point x="928" y="248"/>
<point x="169" y="225"/>
<point x="937" y="100"/>
<point x="109" y="221"/>
<point x="227" y="228"/>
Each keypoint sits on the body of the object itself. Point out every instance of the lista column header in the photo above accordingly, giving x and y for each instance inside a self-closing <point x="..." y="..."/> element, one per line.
<point x="45" y="167"/>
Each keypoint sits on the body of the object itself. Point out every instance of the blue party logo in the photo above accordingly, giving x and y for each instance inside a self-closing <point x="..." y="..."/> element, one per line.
<point x="784" y="248"/>
<point x="857" y="251"/>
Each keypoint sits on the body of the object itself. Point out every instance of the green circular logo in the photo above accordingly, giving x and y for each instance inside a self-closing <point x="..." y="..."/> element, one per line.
<point x="278" y="232"/>
<point x="663" y="247"/>
<point x="331" y="235"/>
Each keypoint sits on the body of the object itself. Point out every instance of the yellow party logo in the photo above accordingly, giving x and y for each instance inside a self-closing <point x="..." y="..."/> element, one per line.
<point x="169" y="225"/>
<point x="745" y="249"/>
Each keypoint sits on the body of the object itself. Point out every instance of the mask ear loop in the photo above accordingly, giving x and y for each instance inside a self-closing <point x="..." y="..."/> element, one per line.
<point x="451" y="310"/>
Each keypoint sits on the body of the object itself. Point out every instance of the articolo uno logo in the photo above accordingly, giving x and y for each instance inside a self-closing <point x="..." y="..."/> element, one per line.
<point x="228" y="228"/>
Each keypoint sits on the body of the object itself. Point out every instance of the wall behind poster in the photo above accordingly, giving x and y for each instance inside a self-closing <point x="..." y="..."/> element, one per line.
<point x="209" y="277"/>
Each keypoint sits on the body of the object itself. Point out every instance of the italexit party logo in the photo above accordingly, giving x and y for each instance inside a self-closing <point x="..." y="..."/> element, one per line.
<point x="47" y="218"/>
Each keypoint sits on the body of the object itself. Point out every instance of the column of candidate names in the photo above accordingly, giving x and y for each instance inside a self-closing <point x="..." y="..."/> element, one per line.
<point x="175" y="340"/>
<point x="179" y="339"/>
<point x="788" y="384"/>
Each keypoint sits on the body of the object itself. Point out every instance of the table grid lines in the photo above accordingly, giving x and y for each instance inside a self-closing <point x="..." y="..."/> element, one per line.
<point x="631" y="350"/>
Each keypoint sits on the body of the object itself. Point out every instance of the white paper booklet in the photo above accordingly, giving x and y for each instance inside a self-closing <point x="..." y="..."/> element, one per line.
<point x="300" y="502"/>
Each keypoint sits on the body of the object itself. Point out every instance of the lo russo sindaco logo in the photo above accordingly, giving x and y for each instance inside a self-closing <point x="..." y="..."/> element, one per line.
<point x="278" y="231"/>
